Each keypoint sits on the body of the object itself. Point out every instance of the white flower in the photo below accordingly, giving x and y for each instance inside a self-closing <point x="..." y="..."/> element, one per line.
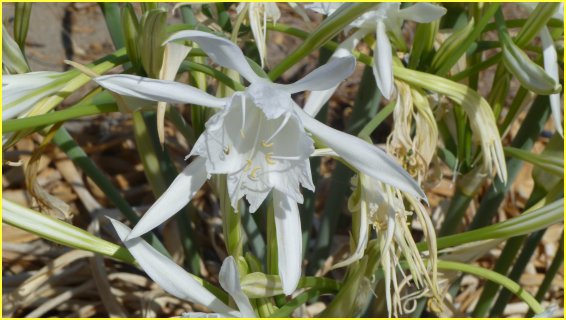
<point x="181" y="284"/>
<point x="258" y="140"/>
<point x="20" y="92"/>
<point x="387" y="17"/>
<point x="258" y="15"/>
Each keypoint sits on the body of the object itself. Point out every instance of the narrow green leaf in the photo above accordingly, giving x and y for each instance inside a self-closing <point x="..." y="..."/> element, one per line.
<point x="59" y="231"/>
<point x="112" y="16"/>
<point x="551" y="162"/>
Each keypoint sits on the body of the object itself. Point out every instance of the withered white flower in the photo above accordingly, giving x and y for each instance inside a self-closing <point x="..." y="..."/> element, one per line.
<point x="176" y="281"/>
<point x="258" y="140"/>
<point x="386" y="18"/>
<point x="382" y="207"/>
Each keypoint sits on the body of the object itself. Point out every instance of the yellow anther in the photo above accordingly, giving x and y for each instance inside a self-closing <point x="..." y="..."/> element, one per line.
<point x="266" y="145"/>
<point x="254" y="172"/>
<point x="268" y="158"/>
<point x="248" y="166"/>
<point x="227" y="150"/>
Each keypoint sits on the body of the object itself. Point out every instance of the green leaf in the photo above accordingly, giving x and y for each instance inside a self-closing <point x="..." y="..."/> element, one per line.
<point x="551" y="161"/>
<point x="59" y="231"/>
<point x="525" y="223"/>
<point x="153" y="34"/>
<point x="21" y="23"/>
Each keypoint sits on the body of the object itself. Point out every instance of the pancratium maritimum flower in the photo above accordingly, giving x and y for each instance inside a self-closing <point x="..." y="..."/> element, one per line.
<point x="386" y="18"/>
<point x="258" y="140"/>
<point x="181" y="284"/>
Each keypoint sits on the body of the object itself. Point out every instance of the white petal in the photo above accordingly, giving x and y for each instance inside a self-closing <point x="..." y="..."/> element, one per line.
<point x="173" y="56"/>
<point x="325" y="8"/>
<point x="551" y="67"/>
<point x="230" y="281"/>
<point x="383" y="62"/>
<point x="168" y="275"/>
<point x="422" y="12"/>
<point x="317" y="99"/>
<point x="179" y="193"/>
<point x="221" y="50"/>
<point x="289" y="237"/>
<point x="363" y="156"/>
<point x="363" y="233"/>
<point x="158" y="90"/>
<point x="326" y="76"/>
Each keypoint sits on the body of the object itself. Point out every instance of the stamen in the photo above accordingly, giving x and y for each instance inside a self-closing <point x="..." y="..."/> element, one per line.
<point x="253" y="174"/>
<point x="243" y="117"/>
<point x="266" y="145"/>
<point x="248" y="166"/>
<point x="285" y="158"/>
<point x="227" y="150"/>
<point x="268" y="158"/>
<point x="287" y="116"/>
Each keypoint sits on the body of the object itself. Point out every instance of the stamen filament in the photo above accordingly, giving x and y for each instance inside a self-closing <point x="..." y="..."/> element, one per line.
<point x="284" y="157"/>
<point x="243" y="116"/>
<point x="287" y="116"/>
<point x="268" y="158"/>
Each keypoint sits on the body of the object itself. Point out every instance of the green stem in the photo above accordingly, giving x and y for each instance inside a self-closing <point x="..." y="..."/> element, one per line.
<point x="518" y="267"/>
<point x="550" y="273"/>
<point x="495" y="277"/>
<point x="502" y="265"/>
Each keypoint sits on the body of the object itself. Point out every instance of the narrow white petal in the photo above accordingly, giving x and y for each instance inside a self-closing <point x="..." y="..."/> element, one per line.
<point x="289" y="237"/>
<point x="422" y="12"/>
<point x="168" y="275"/>
<point x="363" y="156"/>
<point x="158" y="90"/>
<point x="230" y="281"/>
<point x="551" y="67"/>
<point x="179" y="193"/>
<point x="13" y="112"/>
<point x="325" y="8"/>
<point x="363" y="233"/>
<point x="317" y="99"/>
<point x="383" y="62"/>
<point x="221" y="50"/>
<point x="326" y="76"/>
<point x="173" y="56"/>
